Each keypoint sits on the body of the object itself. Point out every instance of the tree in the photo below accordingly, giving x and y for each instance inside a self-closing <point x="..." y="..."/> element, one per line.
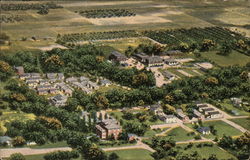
<point x="62" y="155"/>
<point x="212" y="157"/>
<point x="225" y="49"/>
<point x="207" y="44"/>
<point x="43" y="10"/>
<point x="5" y="70"/>
<point x="17" y="156"/>
<point x="113" y="156"/>
<point x="18" y="141"/>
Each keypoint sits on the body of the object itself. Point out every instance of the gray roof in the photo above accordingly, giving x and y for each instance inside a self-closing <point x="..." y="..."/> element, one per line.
<point x="110" y="124"/>
<point x="154" y="59"/>
<point x="213" y="113"/>
<point x="207" y="109"/>
<point x="203" y="129"/>
<point x="4" y="139"/>
<point x="60" y="97"/>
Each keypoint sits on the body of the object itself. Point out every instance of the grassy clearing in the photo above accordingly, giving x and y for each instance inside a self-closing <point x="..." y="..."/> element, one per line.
<point x="174" y="71"/>
<point x="9" y="116"/>
<point x="222" y="128"/>
<point x="233" y="59"/>
<point x="138" y="154"/>
<point x="206" y="151"/>
<point x="179" y="134"/>
<point x="40" y="157"/>
<point x="244" y="122"/>
<point x="51" y="145"/>
<point x="228" y="105"/>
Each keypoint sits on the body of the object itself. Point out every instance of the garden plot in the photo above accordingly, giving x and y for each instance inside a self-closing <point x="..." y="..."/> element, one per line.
<point x="185" y="73"/>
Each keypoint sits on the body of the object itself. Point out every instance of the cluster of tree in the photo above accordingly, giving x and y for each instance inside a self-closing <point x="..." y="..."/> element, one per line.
<point x="189" y="36"/>
<point x="106" y="13"/>
<point x="77" y="37"/>
<point x="5" y="70"/>
<point x="3" y="38"/>
<point x="59" y="155"/>
<point x="239" y="146"/>
<point x="150" y="49"/>
<point x="27" y="6"/>
<point x="10" y="18"/>
<point x="87" y="59"/>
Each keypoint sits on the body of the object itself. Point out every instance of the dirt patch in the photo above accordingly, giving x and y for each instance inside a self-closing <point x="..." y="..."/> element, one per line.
<point x="78" y="4"/>
<point x="139" y="19"/>
<point x="48" y="48"/>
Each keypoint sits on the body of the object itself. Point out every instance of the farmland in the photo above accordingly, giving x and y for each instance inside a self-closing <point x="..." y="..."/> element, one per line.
<point x="106" y="13"/>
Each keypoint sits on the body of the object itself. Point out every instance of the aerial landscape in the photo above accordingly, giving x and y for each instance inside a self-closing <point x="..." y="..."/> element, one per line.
<point x="125" y="80"/>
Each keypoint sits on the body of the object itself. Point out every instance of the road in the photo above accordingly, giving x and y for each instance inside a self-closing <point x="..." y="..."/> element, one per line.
<point x="30" y="151"/>
<point x="235" y="125"/>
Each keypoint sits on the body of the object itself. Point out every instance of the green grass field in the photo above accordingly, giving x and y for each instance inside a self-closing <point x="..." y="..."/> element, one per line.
<point x="227" y="104"/>
<point x="244" y="122"/>
<point x="51" y="145"/>
<point x="133" y="154"/>
<point x="179" y="134"/>
<point x="40" y="157"/>
<point x="222" y="128"/>
<point x="206" y="151"/>
<point x="233" y="59"/>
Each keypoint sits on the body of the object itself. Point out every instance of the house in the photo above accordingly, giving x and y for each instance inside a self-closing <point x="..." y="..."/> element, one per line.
<point x="107" y="128"/>
<point x="168" y="75"/>
<point x="19" y="70"/>
<point x="5" y="141"/>
<point x="207" y="110"/>
<point x="171" y="62"/>
<point x="24" y="76"/>
<point x="214" y="114"/>
<point x="60" y="76"/>
<point x="172" y="53"/>
<point x="64" y="88"/>
<point x="44" y="82"/>
<point x="71" y="79"/>
<point x="42" y="91"/>
<point x="117" y="57"/>
<point x="51" y="76"/>
<point x="142" y="57"/>
<point x="92" y="85"/>
<point x="35" y="75"/>
<point x="37" y="79"/>
<point x="154" y="61"/>
<point x="105" y="82"/>
<point x="198" y="115"/>
<point x="182" y="116"/>
<point x="53" y="91"/>
<point x="168" y="118"/>
<point x="59" y="100"/>
<point x="237" y="102"/>
<point x="84" y="79"/>
<point x="131" y="137"/>
<point x="204" y="66"/>
<point x="155" y="108"/>
<point x="201" y="106"/>
<point x="204" y="130"/>
<point x="32" y="84"/>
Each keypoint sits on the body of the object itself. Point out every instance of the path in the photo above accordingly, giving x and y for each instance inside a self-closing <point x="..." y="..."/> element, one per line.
<point x="235" y="125"/>
<point x="160" y="80"/>
<point x="30" y="151"/>
<point x="195" y="141"/>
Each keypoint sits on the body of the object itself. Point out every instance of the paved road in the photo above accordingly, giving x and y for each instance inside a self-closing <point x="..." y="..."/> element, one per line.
<point x="30" y="151"/>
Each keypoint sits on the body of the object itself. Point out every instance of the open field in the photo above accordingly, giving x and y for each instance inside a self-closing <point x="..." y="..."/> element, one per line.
<point x="228" y="105"/>
<point x="206" y="151"/>
<point x="244" y="122"/>
<point x="179" y="134"/>
<point x="233" y="59"/>
<point x="138" y="154"/>
<point x="222" y="128"/>
<point x="150" y="15"/>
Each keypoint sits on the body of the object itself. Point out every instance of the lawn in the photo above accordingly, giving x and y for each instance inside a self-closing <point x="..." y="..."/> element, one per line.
<point x="152" y="132"/>
<point x="51" y="145"/>
<point x="222" y="128"/>
<point x="228" y="105"/>
<point x="40" y="157"/>
<point x="179" y="134"/>
<point x="244" y="122"/>
<point x="233" y="59"/>
<point x="174" y="71"/>
<point x="206" y="151"/>
<point x="132" y="154"/>
<point x="9" y="116"/>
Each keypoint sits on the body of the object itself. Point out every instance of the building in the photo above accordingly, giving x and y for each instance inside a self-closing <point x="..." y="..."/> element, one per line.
<point x="84" y="79"/>
<point x="117" y="57"/>
<point x="198" y="115"/>
<point x="168" y="75"/>
<point x="24" y="76"/>
<point x="182" y="116"/>
<point x="60" y="76"/>
<point x="171" y="62"/>
<point x="64" y="88"/>
<point x="35" y="75"/>
<point x="105" y="82"/>
<point x="204" y="130"/>
<point x="214" y="114"/>
<point x="154" y="61"/>
<point x="207" y="110"/>
<point x="59" y="100"/>
<point x="5" y="141"/>
<point x="237" y="102"/>
<point x="172" y="53"/>
<point x="168" y="118"/>
<point x="201" y="106"/>
<point x="92" y="85"/>
<point x="19" y="70"/>
<point x="155" y="108"/>
<point x="71" y="80"/>
<point x="204" y="66"/>
<point x="108" y="128"/>
<point x="142" y="57"/>
<point x="131" y="137"/>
